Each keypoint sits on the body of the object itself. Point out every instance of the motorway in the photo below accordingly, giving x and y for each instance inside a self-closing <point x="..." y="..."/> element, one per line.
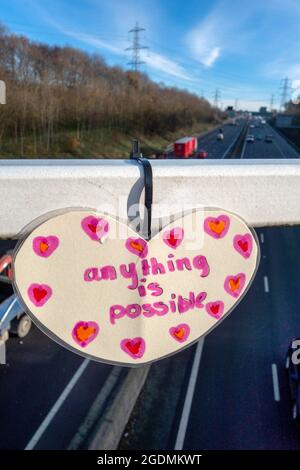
<point x="278" y="148"/>
<point x="230" y="391"/>
<point x="217" y="148"/>
<point x="46" y="391"/>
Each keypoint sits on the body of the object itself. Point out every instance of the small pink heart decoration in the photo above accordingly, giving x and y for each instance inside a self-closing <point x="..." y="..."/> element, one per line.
<point x="134" y="347"/>
<point x="95" y="227"/>
<point x="235" y="284"/>
<point x="174" y="237"/>
<point x="137" y="246"/>
<point x="215" y="309"/>
<point x="45" y="246"/>
<point x="217" y="227"/>
<point x="84" y="332"/>
<point x="39" y="294"/>
<point x="243" y="244"/>
<point x="180" y="332"/>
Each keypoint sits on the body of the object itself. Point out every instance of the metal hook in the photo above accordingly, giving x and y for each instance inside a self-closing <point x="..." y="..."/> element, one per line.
<point x="148" y="182"/>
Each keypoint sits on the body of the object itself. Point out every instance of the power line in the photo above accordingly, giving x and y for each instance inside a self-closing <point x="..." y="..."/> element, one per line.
<point x="217" y="97"/>
<point x="286" y="87"/>
<point x="136" y="47"/>
<point x="272" y="102"/>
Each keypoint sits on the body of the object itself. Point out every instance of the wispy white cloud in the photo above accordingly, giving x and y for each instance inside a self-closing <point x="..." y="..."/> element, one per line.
<point x="221" y="32"/>
<point x="96" y="42"/>
<point x="204" y="40"/>
<point x="154" y="60"/>
<point x="204" y="43"/>
<point x="164" y="64"/>
<point x="210" y="58"/>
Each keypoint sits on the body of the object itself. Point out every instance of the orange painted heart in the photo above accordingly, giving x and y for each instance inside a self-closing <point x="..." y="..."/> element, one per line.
<point x="217" y="227"/>
<point x="235" y="284"/>
<point x="137" y="246"/>
<point x="180" y="332"/>
<point x="39" y="294"/>
<point x="84" y="332"/>
<point x="45" y="246"/>
<point x="135" y="347"/>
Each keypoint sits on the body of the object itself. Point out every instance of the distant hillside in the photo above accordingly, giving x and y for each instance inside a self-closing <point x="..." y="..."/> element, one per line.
<point x="62" y="101"/>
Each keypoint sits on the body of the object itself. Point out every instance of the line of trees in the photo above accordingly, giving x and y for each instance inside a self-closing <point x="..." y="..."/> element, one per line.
<point x="293" y="108"/>
<point x="52" y="89"/>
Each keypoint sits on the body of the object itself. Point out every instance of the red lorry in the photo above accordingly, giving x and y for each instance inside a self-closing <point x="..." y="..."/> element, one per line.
<point x="185" y="147"/>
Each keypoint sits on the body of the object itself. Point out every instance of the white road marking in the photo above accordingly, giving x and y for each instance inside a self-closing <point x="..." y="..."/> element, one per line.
<point x="279" y="148"/>
<point x="275" y="382"/>
<point x="57" y="405"/>
<point x="189" y="397"/>
<point x="266" y="284"/>
<point x="262" y="238"/>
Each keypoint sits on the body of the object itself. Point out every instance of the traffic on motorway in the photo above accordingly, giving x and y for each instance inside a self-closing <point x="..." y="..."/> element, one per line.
<point x="239" y="387"/>
<point x="214" y="144"/>
<point x="249" y="375"/>
<point x="263" y="141"/>
<point x="265" y="327"/>
<point x="260" y="141"/>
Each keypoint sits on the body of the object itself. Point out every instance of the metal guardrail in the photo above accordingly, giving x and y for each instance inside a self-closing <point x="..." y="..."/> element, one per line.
<point x="235" y="149"/>
<point x="263" y="192"/>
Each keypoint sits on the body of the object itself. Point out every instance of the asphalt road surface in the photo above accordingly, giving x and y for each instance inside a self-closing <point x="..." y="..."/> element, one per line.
<point x="37" y="374"/>
<point x="230" y="391"/>
<point x="279" y="148"/>
<point x="214" y="147"/>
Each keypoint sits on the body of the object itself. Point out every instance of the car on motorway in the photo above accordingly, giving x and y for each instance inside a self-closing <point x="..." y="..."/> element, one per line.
<point x="292" y="365"/>
<point x="250" y="138"/>
<point x="220" y="135"/>
<point x="269" y="138"/>
<point x="202" y="154"/>
<point x="12" y="317"/>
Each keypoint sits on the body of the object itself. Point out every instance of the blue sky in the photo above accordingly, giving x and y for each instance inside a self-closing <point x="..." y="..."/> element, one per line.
<point x="243" y="48"/>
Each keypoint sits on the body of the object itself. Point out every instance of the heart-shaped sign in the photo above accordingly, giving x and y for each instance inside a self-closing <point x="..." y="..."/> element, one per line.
<point x="98" y="288"/>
